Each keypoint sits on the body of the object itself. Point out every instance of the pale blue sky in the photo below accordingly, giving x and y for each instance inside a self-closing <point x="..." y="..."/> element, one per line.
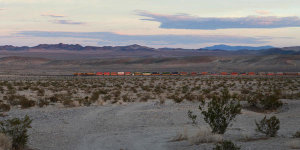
<point x="156" y="23"/>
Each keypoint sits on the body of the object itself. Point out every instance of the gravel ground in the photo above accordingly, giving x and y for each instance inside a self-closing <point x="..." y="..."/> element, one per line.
<point x="144" y="126"/>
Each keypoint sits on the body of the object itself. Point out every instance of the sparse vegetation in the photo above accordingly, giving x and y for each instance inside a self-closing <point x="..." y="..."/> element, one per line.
<point x="269" y="127"/>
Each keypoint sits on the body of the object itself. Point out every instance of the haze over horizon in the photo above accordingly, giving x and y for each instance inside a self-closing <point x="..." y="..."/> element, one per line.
<point x="174" y="24"/>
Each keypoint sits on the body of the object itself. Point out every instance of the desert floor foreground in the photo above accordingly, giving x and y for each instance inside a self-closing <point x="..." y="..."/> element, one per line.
<point x="146" y="126"/>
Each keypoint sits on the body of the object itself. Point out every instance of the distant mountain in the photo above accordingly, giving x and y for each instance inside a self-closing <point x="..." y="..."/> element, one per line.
<point x="236" y="48"/>
<point x="77" y="47"/>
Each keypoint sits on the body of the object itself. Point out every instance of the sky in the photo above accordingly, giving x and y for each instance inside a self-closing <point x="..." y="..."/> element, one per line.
<point x="154" y="23"/>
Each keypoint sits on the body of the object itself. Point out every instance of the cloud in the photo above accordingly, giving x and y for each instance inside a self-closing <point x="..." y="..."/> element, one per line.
<point x="109" y="38"/>
<point x="262" y="12"/>
<point x="53" y="15"/>
<point x="70" y="22"/>
<point x="185" y="21"/>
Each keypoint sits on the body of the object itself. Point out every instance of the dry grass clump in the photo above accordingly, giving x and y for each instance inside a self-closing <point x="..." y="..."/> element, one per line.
<point x="5" y="142"/>
<point x="204" y="135"/>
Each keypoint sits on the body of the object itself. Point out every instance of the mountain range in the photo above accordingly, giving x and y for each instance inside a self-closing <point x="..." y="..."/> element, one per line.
<point x="69" y="58"/>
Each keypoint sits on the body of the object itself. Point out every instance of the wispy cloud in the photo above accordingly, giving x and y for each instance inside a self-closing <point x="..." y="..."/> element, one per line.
<point x="53" y="15"/>
<point x="184" y="21"/>
<point x="69" y="22"/>
<point x="108" y="38"/>
<point x="263" y="12"/>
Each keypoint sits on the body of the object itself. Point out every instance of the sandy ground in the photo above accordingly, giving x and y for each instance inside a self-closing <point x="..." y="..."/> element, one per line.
<point x="144" y="126"/>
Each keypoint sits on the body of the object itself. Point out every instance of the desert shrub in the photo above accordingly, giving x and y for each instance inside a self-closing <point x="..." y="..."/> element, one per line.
<point x="17" y="129"/>
<point x="40" y="92"/>
<point x="269" y="127"/>
<point x="221" y="110"/>
<point x="126" y="98"/>
<point x="270" y="102"/>
<point x="192" y="117"/>
<point x="5" y="142"/>
<point x="68" y="103"/>
<point x="176" y="98"/>
<point x="297" y="134"/>
<point x="4" y="107"/>
<point x="106" y="97"/>
<point x="95" y="96"/>
<point x="226" y="145"/>
<point x="54" y="99"/>
<point x="145" y="98"/>
<point x="25" y="103"/>
<point x="43" y="102"/>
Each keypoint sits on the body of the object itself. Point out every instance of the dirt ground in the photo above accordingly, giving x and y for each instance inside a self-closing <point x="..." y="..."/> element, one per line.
<point x="146" y="126"/>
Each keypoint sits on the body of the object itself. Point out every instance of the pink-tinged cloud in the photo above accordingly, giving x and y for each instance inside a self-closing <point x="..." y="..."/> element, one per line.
<point x="184" y="21"/>
<point x="262" y="12"/>
<point x="54" y="15"/>
<point x="68" y="22"/>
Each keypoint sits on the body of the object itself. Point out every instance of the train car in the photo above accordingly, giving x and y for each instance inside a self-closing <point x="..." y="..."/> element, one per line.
<point x="155" y="73"/>
<point x="234" y="73"/>
<point x="251" y="73"/>
<point x="166" y="73"/>
<point x="223" y="73"/>
<point x="147" y="73"/>
<point x="175" y="73"/>
<point x="194" y="73"/>
<point x="113" y="73"/>
<point x="270" y="73"/>
<point x="214" y="74"/>
<point x="128" y="73"/>
<point x="298" y="73"/>
<point x="75" y="74"/>
<point x="99" y="74"/>
<point x="106" y="73"/>
<point x="89" y="74"/>
<point x="183" y="73"/>
<point x="243" y="73"/>
<point x="262" y="73"/>
<point x="204" y="73"/>
<point x="279" y="73"/>
<point x="121" y="73"/>
<point x="137" y="73"/>
<point x="291" y="73"/>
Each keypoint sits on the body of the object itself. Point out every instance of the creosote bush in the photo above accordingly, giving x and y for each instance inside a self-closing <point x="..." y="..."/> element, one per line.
<point x="271" y="102"/>
<point x="226" y="145"/>
<point x="221" y="110"/>
<point x="269" y="127"/>
<point x="17" y="129"/>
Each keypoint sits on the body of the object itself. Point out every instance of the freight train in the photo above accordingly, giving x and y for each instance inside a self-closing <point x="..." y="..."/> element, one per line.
<point x="188" y="73"/>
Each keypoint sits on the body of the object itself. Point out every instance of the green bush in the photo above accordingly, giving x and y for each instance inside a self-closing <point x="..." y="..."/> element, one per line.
<point x="269" y="127"/>
<point x="226" y="145"/>
<point x="270" y="102"/>
<point x="25" y="103"/>
<point x="17" y="129"/>
<point x="221" y="110"/>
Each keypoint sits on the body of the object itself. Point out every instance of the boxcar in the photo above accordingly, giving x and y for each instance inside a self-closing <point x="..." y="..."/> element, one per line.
<point x="99" y="73"/>
<point x="224" y="73"/>
<point x="175" y="73"/>
<point x="106" y="73"/>
<point x="291" y="73"/>
<point x="146" y="73"/>
<point x="183" y="73"/>
<point x="234" y="73"/>
<point x="194" y="73"/>
<point x="155" y="73"/>
<point x="279" y="73"/>
<point x="127" y="73"/>
<point x="204" y="73"/>
<point x="113" y="73"/>
<point x="138" y="74"/>
<point x="270" y="73"/>
<point x="121" y="73"/>
<point x="166" y="73"/>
